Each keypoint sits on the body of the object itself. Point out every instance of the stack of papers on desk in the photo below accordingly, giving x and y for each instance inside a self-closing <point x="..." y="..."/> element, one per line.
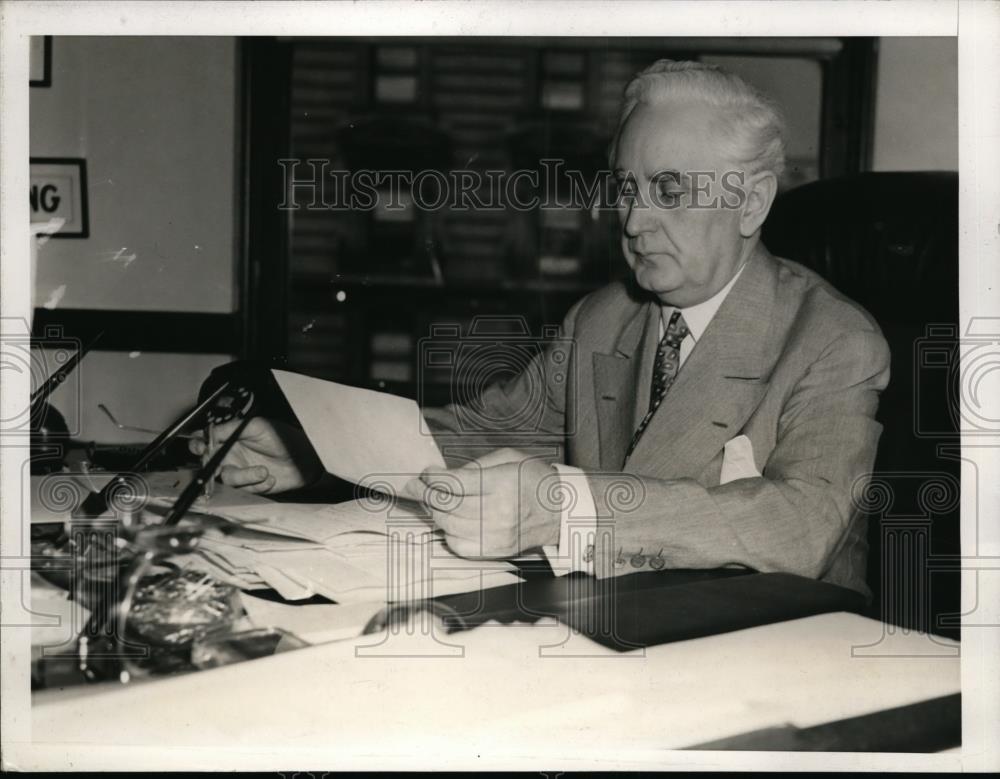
<point x="356" y="551"/>
<point x="345" y="552"/>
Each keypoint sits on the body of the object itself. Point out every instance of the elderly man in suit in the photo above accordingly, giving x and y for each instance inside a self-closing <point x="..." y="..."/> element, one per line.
<point x="728" y="395"/>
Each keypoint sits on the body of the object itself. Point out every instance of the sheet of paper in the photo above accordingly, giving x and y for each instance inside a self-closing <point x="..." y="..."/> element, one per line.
<point x="285" y="584"/>
<point x="406" y="560"/>
<point x="244" y="538"/>
<point x="365" y="437"/>
<point x="314" y="623"/>
<point x="325" y="523"/>
<point x="352" y="574"/>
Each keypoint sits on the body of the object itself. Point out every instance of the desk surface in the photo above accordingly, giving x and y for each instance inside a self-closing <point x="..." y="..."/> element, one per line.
<point x="503" y="692"/>
<point x="510" y="691"/>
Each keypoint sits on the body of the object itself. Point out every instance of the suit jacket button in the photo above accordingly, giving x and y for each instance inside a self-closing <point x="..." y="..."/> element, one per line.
<point x="656" y="563"/>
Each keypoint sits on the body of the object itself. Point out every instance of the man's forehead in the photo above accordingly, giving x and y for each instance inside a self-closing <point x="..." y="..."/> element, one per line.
<point x="679" y="135"/>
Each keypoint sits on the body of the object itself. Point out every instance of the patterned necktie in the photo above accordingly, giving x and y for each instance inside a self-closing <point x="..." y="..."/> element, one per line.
<point x="665" y="367"/>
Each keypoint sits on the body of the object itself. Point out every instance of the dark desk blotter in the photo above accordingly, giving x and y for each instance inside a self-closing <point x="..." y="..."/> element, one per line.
<point x="645" y="609"/>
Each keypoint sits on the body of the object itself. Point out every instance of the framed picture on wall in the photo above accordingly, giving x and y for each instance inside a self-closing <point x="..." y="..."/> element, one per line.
<point x="40" y="61"/>
<point x="59" y="197"/>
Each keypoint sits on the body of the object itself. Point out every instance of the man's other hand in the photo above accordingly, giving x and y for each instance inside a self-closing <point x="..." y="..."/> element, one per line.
<point x="496" y="506"/>
<point x="269" y="457"/>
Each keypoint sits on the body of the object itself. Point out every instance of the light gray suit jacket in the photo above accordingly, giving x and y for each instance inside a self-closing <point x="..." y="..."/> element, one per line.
<point x="787" y="361"/>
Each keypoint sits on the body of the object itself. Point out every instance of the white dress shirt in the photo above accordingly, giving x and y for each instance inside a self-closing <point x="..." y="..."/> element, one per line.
<point x="696" y="317"/>
<point x="569" y="555"/>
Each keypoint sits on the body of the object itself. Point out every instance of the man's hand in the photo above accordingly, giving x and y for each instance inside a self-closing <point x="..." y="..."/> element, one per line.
<point x="493" y="507"/>
<point x="269" y="457"/>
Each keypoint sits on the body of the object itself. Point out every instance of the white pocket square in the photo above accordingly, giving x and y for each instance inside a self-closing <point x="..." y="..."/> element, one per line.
<point x="737" y="461"/>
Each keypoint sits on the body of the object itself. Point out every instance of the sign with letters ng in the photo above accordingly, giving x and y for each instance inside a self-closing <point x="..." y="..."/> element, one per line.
<point x="59" y="197"/>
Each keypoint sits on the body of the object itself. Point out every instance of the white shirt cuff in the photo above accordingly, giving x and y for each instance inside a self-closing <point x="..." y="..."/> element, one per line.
<point x="577" y="527"/>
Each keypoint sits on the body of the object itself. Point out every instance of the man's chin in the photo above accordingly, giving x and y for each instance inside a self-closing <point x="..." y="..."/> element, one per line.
<point x="655" y="283"/>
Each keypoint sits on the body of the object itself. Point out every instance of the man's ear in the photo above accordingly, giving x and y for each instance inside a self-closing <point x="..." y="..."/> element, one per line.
<point x="760" y="191"/>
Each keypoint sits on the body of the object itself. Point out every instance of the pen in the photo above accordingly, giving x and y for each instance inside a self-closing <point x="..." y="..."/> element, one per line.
<point x="197" y="484"/>
<point x="207" y="456"/>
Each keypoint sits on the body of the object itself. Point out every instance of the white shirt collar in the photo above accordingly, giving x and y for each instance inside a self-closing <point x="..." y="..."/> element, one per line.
<point x="699" y="315"/>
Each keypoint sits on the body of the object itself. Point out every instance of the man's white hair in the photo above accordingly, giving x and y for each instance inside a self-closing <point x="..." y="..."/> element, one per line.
<point x="755" y="127"/>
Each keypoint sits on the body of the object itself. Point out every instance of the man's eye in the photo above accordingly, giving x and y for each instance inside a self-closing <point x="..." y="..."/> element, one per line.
<point x="669" y="192"/>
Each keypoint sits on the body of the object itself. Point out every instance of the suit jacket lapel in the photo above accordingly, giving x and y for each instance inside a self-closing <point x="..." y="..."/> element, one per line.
<point x="644" y="365"/>
<point x="617" y="383"/>
<point x="720" y="384"/>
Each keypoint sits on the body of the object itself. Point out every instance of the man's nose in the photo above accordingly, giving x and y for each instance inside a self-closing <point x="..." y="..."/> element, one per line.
<point x="638" y="219"/>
